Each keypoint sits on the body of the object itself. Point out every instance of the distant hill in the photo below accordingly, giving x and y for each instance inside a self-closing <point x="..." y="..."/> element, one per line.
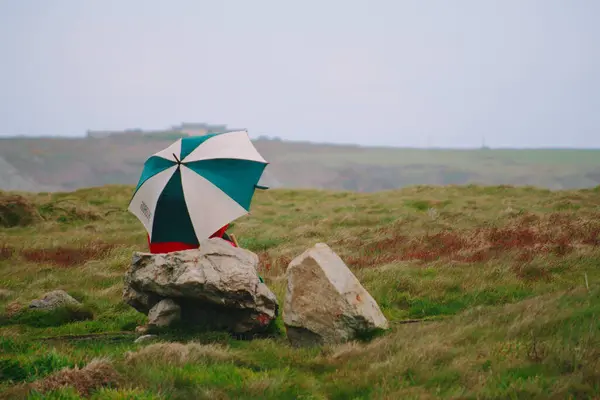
<point x="64" y="164"/>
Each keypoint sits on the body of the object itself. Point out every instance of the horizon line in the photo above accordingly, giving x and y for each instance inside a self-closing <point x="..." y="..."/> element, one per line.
<point x="339" y="144"/>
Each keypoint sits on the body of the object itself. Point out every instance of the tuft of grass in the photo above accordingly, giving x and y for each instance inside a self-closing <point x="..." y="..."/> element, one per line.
<point x="6" y="252"/>
<point x="66" y="211"/>
<point x="97" y="374"/>
<point x="106" y="393"/>
<point x="419" y="205"/>
<point x="27" y="369"/>
<point x="67" y="256"/>
<point x="179" y="354"/>
<point x="11" y="346"/>
<point x="16" y="210"/>
<point x="271" y="264"/>
<point x="66" y="393"/>
<point x="258" y="244"/>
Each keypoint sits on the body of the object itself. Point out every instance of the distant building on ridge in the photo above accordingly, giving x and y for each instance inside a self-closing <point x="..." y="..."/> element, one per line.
<point x="185" y="128"/>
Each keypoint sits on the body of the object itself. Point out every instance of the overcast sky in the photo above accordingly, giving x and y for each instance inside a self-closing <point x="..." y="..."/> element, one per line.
<point x="520" y="73"/>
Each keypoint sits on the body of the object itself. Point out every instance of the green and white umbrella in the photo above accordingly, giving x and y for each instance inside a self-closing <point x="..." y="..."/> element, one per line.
<point x="191" y="189"/>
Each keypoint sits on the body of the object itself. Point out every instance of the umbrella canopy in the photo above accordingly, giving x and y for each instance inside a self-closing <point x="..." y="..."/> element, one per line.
<point x="197" y="185"/>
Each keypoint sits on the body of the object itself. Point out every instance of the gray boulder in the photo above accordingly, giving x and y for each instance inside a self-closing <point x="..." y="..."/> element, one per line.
<point x="165" y="313"/>
<point x="145" y="338"/>
<point x="215" y="286"/>
<point x="54" y="299"/>
<point x="325" y="303"/>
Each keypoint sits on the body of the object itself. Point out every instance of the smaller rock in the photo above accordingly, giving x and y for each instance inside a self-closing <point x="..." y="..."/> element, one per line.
<point x="142" y="302"/>
<point x="325" y="304"/>
<point x="164" y="313"/>
<point x="144" y="338"/>
<point x="54" y="299"/>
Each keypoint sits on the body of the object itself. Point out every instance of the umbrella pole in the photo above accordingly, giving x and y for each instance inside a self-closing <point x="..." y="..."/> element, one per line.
<point x="232" y="236"/>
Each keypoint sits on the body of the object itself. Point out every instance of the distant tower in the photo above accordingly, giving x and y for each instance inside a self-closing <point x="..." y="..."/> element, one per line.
<point x="483" y="145"/>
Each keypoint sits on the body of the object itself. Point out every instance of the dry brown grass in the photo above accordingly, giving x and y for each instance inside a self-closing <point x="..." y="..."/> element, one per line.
<point x="274" y="265"/>
<point x="555" y="234"/>
<point x="12" y="309"/>
<point x="178" y="354"/>
<point x="98" y="373"/>
<point x="6" y="252"/>
<point x="67" y="256"/>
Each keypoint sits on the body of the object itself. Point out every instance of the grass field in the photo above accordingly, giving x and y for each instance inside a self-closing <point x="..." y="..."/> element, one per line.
<point x="492" y="293"/>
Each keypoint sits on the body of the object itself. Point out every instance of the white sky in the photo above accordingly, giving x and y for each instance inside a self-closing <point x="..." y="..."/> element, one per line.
<point x="522" y="73"/>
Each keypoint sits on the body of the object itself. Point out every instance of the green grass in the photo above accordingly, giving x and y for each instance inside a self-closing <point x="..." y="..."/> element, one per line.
<point x="492" y="292"/>
<point x="45" y="319"/>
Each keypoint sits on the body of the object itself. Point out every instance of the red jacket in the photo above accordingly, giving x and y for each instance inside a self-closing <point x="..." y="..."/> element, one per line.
<point x="168" y="247"/>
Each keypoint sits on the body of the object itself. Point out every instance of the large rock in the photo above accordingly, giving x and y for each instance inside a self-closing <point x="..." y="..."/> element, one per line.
<point x="216" y="286"/>
<point x="54" y="299"/>
<point x="325" y="303"/>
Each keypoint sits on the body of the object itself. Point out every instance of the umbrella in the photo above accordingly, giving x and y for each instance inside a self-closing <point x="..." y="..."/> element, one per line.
<point x="195" y="186"/>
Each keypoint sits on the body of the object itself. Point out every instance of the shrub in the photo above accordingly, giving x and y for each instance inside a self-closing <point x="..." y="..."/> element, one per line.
<point x="15" y="211"/>
<point x="97" y="374"/>
<point x="67" y="212"/>
<point x="6" y="252"/>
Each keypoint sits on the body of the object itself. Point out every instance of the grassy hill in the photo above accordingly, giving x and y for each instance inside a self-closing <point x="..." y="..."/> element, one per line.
<point x="492" y="292"/>
<point x="68" y="164"/>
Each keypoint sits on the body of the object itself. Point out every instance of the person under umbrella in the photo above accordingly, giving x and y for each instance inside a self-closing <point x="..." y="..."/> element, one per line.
<point x="217" y="174"/>
<point x="169" y="247"/>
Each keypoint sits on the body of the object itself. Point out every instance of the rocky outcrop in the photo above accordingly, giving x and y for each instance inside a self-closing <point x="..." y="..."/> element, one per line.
<point x="215" y="286"/>
<point x="325" y="303"/>
<point x="53" y="300"/>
